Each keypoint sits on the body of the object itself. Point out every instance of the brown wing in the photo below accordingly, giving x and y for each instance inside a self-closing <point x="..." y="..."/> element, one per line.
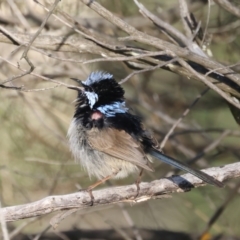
<point x="118" y="144"/>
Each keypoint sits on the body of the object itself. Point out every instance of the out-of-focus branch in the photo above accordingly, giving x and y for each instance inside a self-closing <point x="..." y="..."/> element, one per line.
<point x="219" y="78"/>
<point x="81" y="200"/>
<point x="159" y="43"/>
<point x="227" y="5"/>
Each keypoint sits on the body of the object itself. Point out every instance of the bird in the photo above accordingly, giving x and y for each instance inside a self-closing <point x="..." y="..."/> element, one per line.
<point x="110" y="141"/>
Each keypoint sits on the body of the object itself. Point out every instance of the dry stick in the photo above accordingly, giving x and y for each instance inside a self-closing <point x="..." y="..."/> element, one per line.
<point x="156" y="42"/>
<point x="42" y="232"/>
<point x="12" y="36"/>
<point x="130" y="222"/>
<point x="55" y="180"/>
<point x="229" y="66"/>
<point x="227" y="5"/>
<point x="18" y="14"/>
<point x="105" y="197"/>
<point x="107" y="59"/>
<point x="40" y="89"/>
<point x="147" y="69"/>
<point x="40" y="76"/>
<point x="191" y="30"/>
<point x="27" y="73"/>
<point x="124" y="235"/>
<point x="208" y="83"/>
<point x="203" y="62"/>
<point x="184" y="13"/>
<point x="163" y="116"/>
<point x="210" y="147"/>
<point x="42" y="121"/>
<point x="137" y="56"/>
<point x="24" y="55"/>
<point x="128" y="218"/>
<point x="2" y="29"/>
<point x="12" y="87"/>
<point x="57" y="43"/>
<point x="87" y="35"/>
<point x="221" y="208"/>
<point x="225" y="28"/>
<point x="206" y="25"/>
<point x="182" y="117"/>
<point x="171" y="31"/>
<point x="19" y="229"/>
<point x="207" y="149"/>
<point x="160" y="23"/>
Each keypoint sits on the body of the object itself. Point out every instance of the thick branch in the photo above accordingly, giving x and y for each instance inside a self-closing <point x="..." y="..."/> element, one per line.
<point x="81" y="200"/>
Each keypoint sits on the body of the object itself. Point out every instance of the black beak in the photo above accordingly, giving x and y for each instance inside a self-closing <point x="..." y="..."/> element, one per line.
<point x="76" y="87"/>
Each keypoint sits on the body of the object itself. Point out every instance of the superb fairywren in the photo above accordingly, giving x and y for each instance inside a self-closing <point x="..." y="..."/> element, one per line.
<point x="108" y="140"/>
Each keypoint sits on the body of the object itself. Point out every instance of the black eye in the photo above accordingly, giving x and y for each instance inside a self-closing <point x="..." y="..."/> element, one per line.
<point x="88" y="89"/>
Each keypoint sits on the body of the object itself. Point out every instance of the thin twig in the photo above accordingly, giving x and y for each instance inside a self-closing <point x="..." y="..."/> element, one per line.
<point x="40" y="76"/>
<point x="209" y="84"/>
<point x="227" y="5"/>
<point x="209" y="147"/>
<point x="24" y="55"/>
<point x="182" y="117"/>
<point x="147" y="69"/>
<point x="18" y="14"/>
<point x="219" y="211"/>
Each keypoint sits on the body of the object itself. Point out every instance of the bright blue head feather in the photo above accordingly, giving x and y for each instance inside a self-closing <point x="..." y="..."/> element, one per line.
<point x="97" y="77"/>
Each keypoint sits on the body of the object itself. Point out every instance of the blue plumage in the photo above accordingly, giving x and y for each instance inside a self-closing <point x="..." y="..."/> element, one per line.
<point x="95" y="77"/>
<point x="110" y="110"/>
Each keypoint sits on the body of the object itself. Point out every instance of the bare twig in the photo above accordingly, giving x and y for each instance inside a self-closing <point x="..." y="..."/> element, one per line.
<point x="209" y="84"/>
<point x="227" y="5"/>
<point x="12" y="87"/>
<point x="181" y="118"/>
<point x="81" y="200"/>
<point x="168" y="47"/>
<point x="38" y="75"/>
<point x="209" y="147"/>
<point x="147" y="69"/>
<point x="233" y="193"/>
<point x="18" y="14"/>
<point x="24" y="55"/>
<point x="17" y="230"/>
<point x="173" y="32"/>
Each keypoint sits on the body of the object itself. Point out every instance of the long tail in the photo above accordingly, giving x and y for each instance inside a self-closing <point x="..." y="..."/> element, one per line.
<point x="182" y="166"/>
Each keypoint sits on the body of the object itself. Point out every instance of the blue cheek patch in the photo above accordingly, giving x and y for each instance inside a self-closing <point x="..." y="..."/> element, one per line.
<point x="110" y="110"/>
<point x="92" y="98"/>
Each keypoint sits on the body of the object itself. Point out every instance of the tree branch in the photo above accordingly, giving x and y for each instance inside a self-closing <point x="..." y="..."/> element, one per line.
<point x="152" y="190"/>
<point x="233" y="9"/>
